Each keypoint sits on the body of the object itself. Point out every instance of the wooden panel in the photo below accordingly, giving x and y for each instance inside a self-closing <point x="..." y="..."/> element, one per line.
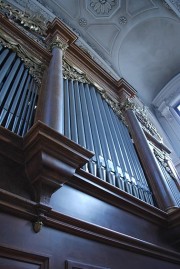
<point x="6" y="263"/>
<point x="77" y="265"/>
<point x="18" y="259"/>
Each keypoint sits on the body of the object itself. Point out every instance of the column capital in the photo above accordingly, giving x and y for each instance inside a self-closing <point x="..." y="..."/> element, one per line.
<point x="57" y="42"/>
<point x="128" y="104"/>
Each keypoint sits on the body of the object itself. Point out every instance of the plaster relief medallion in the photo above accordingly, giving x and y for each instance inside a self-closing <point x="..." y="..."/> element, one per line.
<point x="82" y="22"/>
<point x="122" y="20"/>
<point x="103" y="8"/>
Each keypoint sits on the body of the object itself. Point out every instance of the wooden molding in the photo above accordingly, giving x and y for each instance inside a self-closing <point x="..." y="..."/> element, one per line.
<point x="35" y="49"/>
<point x="11" y="145"/>
<point x="125" y="90"/>
<point x="75" y="55"/>
<point x="51" y="159"/>
<point x="57" y="28"/>
<point x="23" y="208"/>
<point x="74" y="265"/>
<point x="172" y="233"/>
<point x="112" y="195"/>
<point x="41" y="261"/>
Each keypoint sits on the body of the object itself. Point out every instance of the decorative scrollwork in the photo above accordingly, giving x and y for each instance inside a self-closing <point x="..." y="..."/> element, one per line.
<point x="70" y="72"/>
<point x="33" y="22"/>
<point x="142" y="117"/>
<point x="113" y="104"/>
<point x="57" y="43"/>
<point x="35" y="66"/>
<point x="74" y="73"/>
<point x="164" y="160"/>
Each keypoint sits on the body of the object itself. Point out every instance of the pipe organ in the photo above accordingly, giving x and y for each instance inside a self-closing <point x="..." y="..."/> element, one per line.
<point x="171" y="182"/>
<point x="88" y="120"/>
<point x="91" y="122"/>
<point x="18" y="93"/>
<point x="86" y="166"/>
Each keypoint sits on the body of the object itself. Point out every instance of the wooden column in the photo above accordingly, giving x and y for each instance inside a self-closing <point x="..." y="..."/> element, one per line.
<point x="50" y="108"/>
<point x="159" y="186"/>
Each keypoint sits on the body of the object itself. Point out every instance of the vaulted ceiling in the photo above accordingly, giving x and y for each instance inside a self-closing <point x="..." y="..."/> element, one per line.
<point x="138" y="40"/>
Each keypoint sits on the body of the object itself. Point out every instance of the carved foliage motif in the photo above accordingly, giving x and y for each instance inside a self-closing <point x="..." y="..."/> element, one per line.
<point x="142" y="117"/>
<point x="31" y="21"/>
<point x="74" y="73"/>
<point x="35" y="66"/>
<point x="164" y="159"/>
<point x="70" y="72"/>
<point x="57" y="43"/>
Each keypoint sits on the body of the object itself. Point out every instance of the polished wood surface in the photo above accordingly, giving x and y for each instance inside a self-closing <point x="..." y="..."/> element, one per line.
<point x="84" y="220"/>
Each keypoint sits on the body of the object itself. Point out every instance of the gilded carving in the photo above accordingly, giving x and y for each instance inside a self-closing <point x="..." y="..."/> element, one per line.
<point x="164" y="160"/>
<point x="35" y="66"/>
<point x="57" y="43"/>
<point x="70" y="72"/>
<point x="74" y="73"/>
<point x="142" y="117"/>
<point x="32" y="21"/>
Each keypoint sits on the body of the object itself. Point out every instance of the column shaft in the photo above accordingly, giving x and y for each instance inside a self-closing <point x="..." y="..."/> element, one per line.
<point x="160" y="188"/>
<point x="50" y="108"/>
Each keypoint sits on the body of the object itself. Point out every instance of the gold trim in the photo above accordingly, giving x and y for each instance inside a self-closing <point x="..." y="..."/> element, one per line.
<point x="74" y="73"/>
<point x="142" y="117"/>
<point x="33" y="22"/>
<point x="164" y="160"/>
<point x="57" y="43"/>
<point x="35" y="66"/>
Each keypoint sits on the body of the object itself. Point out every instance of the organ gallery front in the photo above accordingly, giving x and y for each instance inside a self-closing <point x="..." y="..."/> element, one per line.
<point x="86" y="180"/>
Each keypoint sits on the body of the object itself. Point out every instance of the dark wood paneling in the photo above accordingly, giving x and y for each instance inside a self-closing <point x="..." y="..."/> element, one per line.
<point x="11" y="258"/>
<point x="17" y="231"/>
<point x="62" y="246"/>
<point x="78" y="265"/>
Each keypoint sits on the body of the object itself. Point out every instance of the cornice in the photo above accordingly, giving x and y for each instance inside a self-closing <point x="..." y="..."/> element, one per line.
<point x="34" y="56"/>
<point x="73" y="54"/>
<point x="56" y="26"/>
<point x="28" y="43"/>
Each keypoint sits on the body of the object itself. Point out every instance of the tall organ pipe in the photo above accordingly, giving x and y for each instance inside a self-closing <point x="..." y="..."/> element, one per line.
<point x="11" y="97"/>
<point x="91" y="122"/>
<point x="17" y="95"/>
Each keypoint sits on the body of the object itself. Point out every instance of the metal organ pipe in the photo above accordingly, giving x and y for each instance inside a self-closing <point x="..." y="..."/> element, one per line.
<point x="92" y="165"/>
<point x="91" y="122"/>
<point x="11" y="97"/>
<point x="67" y="119"/>
<point x="73" y="121"/>
<point x="171" y="183"/>
<point x="18" y="93"/>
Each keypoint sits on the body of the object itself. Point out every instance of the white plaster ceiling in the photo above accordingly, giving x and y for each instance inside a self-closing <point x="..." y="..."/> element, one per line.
<point x="138" y="40"/>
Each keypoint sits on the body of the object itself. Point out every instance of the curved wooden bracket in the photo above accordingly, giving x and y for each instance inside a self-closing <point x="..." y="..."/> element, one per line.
<point x="51" y="160"/>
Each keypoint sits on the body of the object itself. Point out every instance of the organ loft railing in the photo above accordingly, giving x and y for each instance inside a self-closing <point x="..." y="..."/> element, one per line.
<point x="90" y="116"/>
